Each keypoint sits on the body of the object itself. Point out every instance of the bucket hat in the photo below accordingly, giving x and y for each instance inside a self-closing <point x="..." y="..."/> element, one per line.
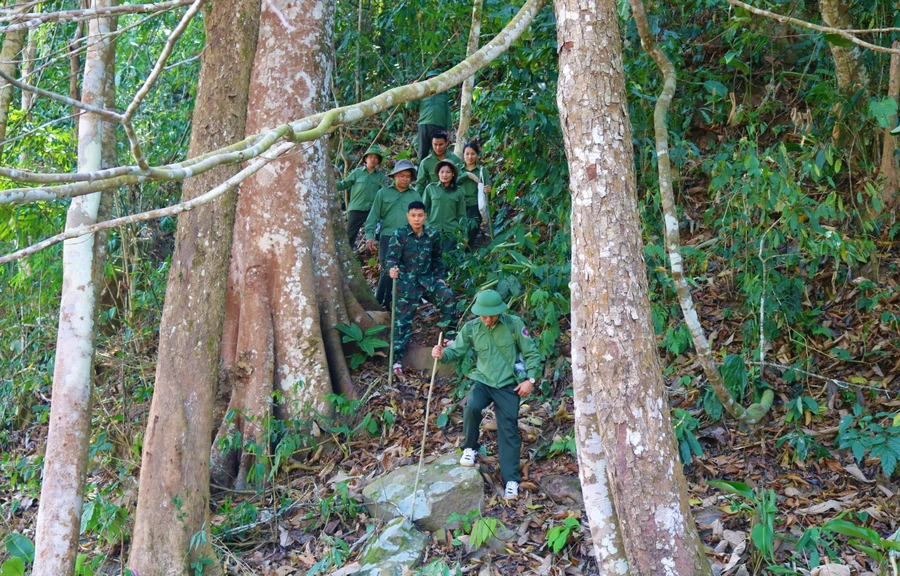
<point x="454" y="167"/>
<point x="402" y="165"/>
<point x="376" y="150"/>
<point x="488" y="303"/>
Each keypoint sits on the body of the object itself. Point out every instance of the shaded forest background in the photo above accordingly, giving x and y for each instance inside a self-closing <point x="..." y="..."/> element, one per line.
<point x="782" y="198"/>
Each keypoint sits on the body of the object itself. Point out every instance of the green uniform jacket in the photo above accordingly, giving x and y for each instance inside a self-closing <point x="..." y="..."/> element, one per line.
<point x="435" y="110"/>
<point x="426" y="173"/>
<point x="445" y="207"/>
<point x="495" y="350"/>
<point x="417" y="256"/>
<point x="363" y="187"/>
<point x="469" y="186"/>
<point x="389" y="208"/>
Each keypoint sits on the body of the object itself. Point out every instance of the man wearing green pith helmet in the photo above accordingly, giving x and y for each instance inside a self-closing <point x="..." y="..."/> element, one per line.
<point x="497" y="339"/>
<point x="363" y="183"/>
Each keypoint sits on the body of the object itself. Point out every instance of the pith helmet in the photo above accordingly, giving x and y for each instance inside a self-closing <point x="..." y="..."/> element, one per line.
<point x="488" y="303"/>
<point x="454" y="167"/>
<point x="376" y="150"/>
<point x="401" y="166"/>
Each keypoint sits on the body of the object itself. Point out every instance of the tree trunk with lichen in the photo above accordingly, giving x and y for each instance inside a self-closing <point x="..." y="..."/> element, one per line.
<point x="613" y="343"/>
<point x="173" y="502"/>
<point x="9" y="59"/>
<point x="468" y="87"/>
<point x="890" y="179"/>
<point x="68" y="437"/>
<point x="848" y="65"/>
<point x="285" y="232"/>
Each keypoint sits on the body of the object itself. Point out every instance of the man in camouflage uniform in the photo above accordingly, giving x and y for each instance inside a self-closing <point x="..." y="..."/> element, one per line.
<point x="414" y="260"/>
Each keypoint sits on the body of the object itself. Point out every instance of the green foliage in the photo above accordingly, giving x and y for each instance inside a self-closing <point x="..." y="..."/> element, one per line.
<point x="558" y="536"/>
<point x="564" y="445"/>
<point x="366" y="341"/>
<point x="335" y="557"/>
<point x="800" y="409"/>
<point x="104" y="519"/>
<point x="761" y="505"/>
<point x="802" y="445"/>
<point x="86" y="567"/>
<point x="686" y="427"/>
<point x="19" y="546"/>
<point x="479" y="528"/>
<point x="439" y="567"/>
<point x="865" y="540"/>
<point x="877" y="436"/>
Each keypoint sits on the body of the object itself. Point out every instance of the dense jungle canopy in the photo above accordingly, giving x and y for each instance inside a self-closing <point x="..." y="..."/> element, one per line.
<point x="766" y="207"/>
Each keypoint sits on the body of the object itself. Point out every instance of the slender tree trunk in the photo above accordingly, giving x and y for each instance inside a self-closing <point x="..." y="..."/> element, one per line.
<point x="891" y="180"/>
<point x="68" y="439"/>
<point x="285" y="231"/>
<point x="27" y="66"/>
<point x="9" y="59"/>
<point x="356" y="75"/>
<point x="465" y="99"/>
<point x="598" y="501"/>
<point x="174" y="464"/>
<point x="848" y="65"/>
<point x="612" y="335"/>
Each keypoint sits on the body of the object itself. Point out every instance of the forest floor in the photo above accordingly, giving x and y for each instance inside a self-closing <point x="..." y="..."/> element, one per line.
<point x="311" y="520"/>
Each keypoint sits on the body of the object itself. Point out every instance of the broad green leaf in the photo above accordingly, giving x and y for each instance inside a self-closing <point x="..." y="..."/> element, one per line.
<point x="13" y="567"/>
<point x="21" y="547"/>
<point x="717" y="89"/>
<point x="883" y="111"/>
<point x="852" y="530"/>
<point x="738" y="488"/>
<point x="838" y="40"/>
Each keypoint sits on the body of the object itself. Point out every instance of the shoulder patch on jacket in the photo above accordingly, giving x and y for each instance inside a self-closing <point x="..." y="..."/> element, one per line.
<point x="525" y="332"/>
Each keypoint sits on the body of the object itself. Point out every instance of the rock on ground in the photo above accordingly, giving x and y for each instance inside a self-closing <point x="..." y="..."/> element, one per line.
<point x="445" y="487"/>
<point x="398" y="549"/>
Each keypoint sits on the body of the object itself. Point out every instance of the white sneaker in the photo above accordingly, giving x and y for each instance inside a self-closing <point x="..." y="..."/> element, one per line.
<point x="468" y="458"/>
<point x="398" y="369"/>
<point x="512" y="490"/>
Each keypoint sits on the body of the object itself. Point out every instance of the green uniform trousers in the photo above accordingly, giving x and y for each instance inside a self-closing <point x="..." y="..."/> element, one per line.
<point x="425" y="133"/>
<point x="409" y="296"/>
<point x="355" y="220"/>
<point x="474" y="216"/>
<point x="383" y="291"/>
<point x="506" y="406"/>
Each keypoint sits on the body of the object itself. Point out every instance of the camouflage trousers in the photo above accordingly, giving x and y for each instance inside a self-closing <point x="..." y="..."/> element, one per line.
<point x="409" y="296"/>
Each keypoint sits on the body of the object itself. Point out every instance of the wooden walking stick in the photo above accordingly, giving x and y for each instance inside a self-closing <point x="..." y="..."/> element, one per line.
<point x="412" y="509"/>
<point x="393" y="311"/>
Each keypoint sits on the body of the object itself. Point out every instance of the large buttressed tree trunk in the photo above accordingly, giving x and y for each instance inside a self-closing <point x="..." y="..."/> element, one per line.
<point x="68" y="438"/>
<point x="174" y="464"/>
<point x="613" y="344"/>
<point x="285" y="261"/>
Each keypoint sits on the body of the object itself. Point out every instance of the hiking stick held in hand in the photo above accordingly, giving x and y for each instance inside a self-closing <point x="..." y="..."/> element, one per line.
<point x="393" y="311"/>
<point x="412" y="509"/>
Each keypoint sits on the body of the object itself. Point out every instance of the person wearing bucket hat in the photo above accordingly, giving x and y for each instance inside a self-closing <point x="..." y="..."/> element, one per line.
<point x="434" y="116"/>
<point x="427" y="175"/>
<point x="363" y="183"/>
<point x="445" y="204"/>
<point x="389" y="208"/>
<point x="497" y="338"/>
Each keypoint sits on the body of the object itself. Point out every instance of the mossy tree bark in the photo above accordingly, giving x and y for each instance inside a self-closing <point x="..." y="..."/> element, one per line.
<point x="173" y="501"/>
<point x="613" y="343"/>
<point x="9" y="60"/>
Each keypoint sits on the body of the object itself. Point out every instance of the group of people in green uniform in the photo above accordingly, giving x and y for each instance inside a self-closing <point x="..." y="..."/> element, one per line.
<point x="415" y="220"/>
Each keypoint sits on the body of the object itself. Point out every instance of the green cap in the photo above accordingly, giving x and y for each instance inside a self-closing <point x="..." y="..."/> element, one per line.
<point x="432" y="74"/>
<point x="376" y="150"/>
<point x="488" y="303"/>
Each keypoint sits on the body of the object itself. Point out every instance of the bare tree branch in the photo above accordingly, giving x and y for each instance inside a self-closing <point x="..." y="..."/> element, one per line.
<point x="747" y="416"/>
<point x="109" y="115"/>
<point x="151" y="79"/>
<point x="21" y="22"/>
<point x="252" y="146"/>
<point x="317" y="132"/>
<point x="848" y="34"/>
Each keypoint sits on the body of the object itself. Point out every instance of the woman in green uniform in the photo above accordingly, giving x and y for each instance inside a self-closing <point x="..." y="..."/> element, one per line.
<point x="445" y="204"/>
<point x="469" y="178"/>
